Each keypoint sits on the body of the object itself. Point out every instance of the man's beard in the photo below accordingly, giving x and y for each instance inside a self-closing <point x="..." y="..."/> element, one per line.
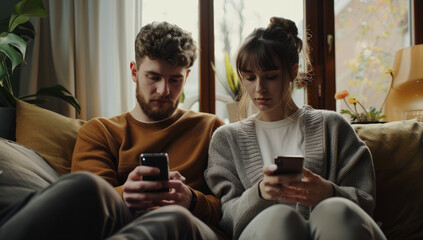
<point x="160" y="112"/>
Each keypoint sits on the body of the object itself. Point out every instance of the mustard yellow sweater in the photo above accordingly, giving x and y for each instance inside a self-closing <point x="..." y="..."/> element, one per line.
<point x="110" y="148"/>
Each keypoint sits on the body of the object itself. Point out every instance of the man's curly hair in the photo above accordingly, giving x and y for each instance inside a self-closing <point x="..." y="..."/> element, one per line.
<point x="165" y="41"/>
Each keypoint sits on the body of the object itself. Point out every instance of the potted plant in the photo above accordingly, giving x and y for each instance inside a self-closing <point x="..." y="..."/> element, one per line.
<point x="15" y="31"/>
<point x="232" y="86"/>
<point x="370" y="115"/>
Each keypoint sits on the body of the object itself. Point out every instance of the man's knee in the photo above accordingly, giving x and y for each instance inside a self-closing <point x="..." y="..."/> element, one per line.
<point x="177" y="214"/>
<point x="84" y="183"/>
<point x="81" y="179"/>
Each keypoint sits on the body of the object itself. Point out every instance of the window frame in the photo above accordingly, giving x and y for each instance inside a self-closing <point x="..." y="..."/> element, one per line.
<point x="319" y="20"/>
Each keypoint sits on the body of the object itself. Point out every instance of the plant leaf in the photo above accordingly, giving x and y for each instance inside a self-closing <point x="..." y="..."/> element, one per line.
<point x="231" y="77"/>
<point x="24" y="10"/>
<point x="381" y="117"/>
<point x="57" y="91"/>
<point x="2" y="72"/>
<point x="25" y="31"/>
<point x="183" y="97"/>
<point x="6" y="46"/>
<point x="16" y="20"/>
<point x="6" y="98"/>
<point x="224" y="84"/>
<point x="344" y="111"/>
<point x="35" y="100"/>
<point x="31" y="8"/>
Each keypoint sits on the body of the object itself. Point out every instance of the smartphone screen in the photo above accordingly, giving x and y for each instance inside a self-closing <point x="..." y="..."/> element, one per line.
<point x="288" y="165"/>
<point x="158" y="160"/>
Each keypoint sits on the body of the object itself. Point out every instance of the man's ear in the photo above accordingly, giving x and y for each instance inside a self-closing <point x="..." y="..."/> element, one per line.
<point x="187" y="74"/>
<point x="133" y="67"/>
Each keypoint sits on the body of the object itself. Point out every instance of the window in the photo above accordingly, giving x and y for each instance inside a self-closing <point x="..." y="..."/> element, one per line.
<point x="233" y="21"/>
<point x="367" y="35"/>
<point x="320" y="19"/>
<point x="183" y="14"/>
<point x="318" y="16"/>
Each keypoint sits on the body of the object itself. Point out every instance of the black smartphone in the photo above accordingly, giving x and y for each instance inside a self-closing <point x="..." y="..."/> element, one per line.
<point x="160" y="161"/>
<point x="288" y="165"/>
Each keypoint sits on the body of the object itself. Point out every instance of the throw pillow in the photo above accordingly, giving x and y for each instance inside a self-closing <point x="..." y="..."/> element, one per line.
<point x="52" y="135"/>
<point x="22" y="173"/>
<point x="397" y="151"/>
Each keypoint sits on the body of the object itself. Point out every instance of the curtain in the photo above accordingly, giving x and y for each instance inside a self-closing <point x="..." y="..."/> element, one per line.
<point x="86" y="46"/>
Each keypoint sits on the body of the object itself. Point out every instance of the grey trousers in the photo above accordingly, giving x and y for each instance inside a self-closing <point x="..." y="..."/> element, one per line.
<point x="84" y="206"/>
<point x="334" y="218"/>
<point x="170" y="222"/>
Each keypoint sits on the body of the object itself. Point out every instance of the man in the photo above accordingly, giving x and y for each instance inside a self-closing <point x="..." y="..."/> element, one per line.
<point x="110" y="147"/>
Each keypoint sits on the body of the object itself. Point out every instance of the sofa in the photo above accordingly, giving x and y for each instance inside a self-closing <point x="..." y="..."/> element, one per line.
<point x="45" y="140"/>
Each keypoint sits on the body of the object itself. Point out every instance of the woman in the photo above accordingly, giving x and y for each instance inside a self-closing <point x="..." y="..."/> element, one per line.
<point x="335" y="197"/>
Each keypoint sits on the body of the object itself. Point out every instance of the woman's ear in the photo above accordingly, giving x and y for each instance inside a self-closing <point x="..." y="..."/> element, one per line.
<point x="294" y="72"/>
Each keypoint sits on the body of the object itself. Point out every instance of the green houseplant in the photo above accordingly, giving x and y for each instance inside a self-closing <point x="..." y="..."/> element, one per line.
<point x="367" y="116"/>
<point x="16" y="30"/>
<point x="232" y="84"/>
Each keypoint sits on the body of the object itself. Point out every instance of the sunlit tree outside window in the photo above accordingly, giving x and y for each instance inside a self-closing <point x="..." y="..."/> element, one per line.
<point x="367" y="35"/>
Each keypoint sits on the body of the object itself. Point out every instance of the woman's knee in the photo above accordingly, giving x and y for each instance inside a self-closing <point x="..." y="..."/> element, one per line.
<point x="280" y="213"/>
<point x="340" y="218"/>
<point x="275" y="222"/>
<point x="337" y="208"/>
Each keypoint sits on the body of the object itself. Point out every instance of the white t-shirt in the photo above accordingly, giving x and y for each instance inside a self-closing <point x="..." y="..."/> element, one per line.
<point x="280" y="138"/>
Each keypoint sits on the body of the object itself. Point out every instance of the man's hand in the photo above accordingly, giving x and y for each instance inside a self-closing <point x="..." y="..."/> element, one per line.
<point x="136" y="193"/>
<point x="179" y="194"/>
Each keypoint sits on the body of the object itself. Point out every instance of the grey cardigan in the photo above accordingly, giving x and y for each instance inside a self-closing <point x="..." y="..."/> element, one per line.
<point x="331" y="148"/>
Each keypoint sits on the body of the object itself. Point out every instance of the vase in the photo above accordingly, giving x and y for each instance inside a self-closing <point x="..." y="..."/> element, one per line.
<point x="232" y="111"/>
<point x="8" y="123"/>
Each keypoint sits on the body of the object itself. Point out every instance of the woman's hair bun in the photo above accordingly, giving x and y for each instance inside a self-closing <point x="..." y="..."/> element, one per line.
<point x="285" y="24"/>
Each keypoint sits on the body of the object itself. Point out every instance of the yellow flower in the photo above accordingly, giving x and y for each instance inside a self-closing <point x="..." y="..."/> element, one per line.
<point x="389" y="71"/>
<point x="353" y="103"/>
<point x="352" y="100"/>
<point x="342" y="94"/>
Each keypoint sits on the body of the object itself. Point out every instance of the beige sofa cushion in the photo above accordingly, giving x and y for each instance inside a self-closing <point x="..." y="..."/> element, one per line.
<point x="52" y="135"/>
<point x="397" y="152"/>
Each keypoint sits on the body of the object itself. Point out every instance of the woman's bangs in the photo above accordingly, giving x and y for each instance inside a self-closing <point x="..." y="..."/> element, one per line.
<point x="258" y="57"/>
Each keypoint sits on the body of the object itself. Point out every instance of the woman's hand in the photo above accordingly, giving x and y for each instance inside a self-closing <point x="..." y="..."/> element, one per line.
<point x="272" y="186"/>
<point x="310" y="191"/>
